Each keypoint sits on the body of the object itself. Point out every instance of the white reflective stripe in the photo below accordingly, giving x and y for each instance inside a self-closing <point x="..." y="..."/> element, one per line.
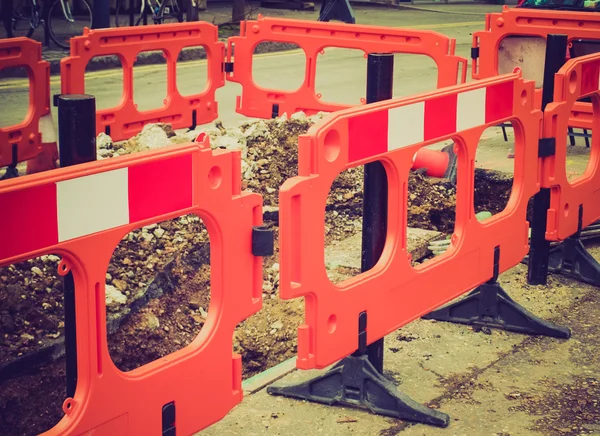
<point x="92" y="203"/>
<point x="406" y="125"/>
<point x="471" y="109"/>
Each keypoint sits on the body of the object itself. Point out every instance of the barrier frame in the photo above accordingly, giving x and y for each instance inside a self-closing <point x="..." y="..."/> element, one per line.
<point x="259" y="102"/>
<point x="573" y="205"/>
<point x="23" y="141"/>
<point x="126" y="44"/>
<point x="194" y="179"/>
<point x="330" y="332"/>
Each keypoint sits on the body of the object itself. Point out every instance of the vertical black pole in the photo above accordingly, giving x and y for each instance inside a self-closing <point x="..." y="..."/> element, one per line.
<point x="76" y="144"/>
<point x="380" y="80"/>
<point x="101" y="14"/>
<point x="539" y="251"/>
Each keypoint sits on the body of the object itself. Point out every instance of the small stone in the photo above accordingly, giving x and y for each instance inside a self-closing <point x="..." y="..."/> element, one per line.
<point x="277" y="325"/>
<point x="127" y="261"/>
<point x="275" y="267"/>
<point x="270" y="190"/>
<point x="299" y="116"/>
<point x="53" y="258"/>
<point x="114" y="297"/>
<point x="158" y="232"/>
<point x="166" y="328"/>
<point x="103" y="141"/>
<point x="121" y="285"/>
<point x="27" y="337"/>
<point x="38" y="272"/>
<point x="108" y="277"/>
<point x="151" y="321"/>
<point x="147" y="237"/>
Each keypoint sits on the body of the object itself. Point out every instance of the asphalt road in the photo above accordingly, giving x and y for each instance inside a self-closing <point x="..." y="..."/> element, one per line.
<point x="341" y="76"/>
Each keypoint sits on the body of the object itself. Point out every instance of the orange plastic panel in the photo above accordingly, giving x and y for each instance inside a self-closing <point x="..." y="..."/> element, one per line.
<point x="579" y="77"/>
<point x="124" y="120"/>
<point x="313" y="37"/>
<point x="394" y="293"/>
<point x="533" y="22"/>
<point x="27" y="53"/>
<point x="67" y="212"/>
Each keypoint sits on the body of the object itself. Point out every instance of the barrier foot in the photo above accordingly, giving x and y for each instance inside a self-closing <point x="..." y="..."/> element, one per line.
<point x="354" y="382"/>
<point x="571" y="259"/>
<point x="490" y="306"/>
<point x="11" y="172"/>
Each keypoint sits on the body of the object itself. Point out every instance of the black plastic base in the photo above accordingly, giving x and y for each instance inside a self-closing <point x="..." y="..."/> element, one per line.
<point x="490" y="306"/>
<point x="337" y="10"/>
<point x="571" y="259"/>
<point x="354" y="382"/>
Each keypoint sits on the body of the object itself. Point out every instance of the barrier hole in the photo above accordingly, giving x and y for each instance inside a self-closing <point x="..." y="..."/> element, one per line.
<point x="33" y="386"/>
<point x="494" y="170"/>
<point x="106" y="86"/>
<point x="157" y="291"/>
<point x="566" y="209"/>
<point x="332" y="80"/>
<point x="414" y="74"/>
<point x="523" y="98"/>
<point x="331" y="324"/>
<point x="580" y="140"/>
<point x="271" y="72"/>
<point x="214" y="177"/>
<point x="192" y="71"/>
<point x="343" y="225"/>
<point x="573" y="82"/>
<point x="431" y="203"/>
<point x="332" y="145"/>
<point x="15" y="96"/>
<point x="150" y="80"/>
<point x="525" y="52"/>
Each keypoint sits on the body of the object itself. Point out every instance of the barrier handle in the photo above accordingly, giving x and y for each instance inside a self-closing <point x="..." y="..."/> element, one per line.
<point x="77" y="144"/>
<point x="380" y="81"/>
<point x="539" y="249"/>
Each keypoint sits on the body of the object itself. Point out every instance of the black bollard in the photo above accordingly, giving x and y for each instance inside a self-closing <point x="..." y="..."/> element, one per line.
<point x="539" y="251"/>
<point x="76" y="145"/>
<point x="380" y="86"/>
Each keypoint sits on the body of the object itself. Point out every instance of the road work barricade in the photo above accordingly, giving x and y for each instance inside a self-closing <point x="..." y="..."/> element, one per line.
<point x="393" y="293"/>
<point x="523" y="22"/>
<point x="579" y="77"/>
<point x="313" y="38"/>
<point x="124" y="120"/>
<point x="82" y="213"/>
<point x="23" y="141"/>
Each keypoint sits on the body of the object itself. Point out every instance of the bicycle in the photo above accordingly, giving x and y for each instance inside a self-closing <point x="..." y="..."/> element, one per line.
<point x="59" y="20"/>
<point x="161" y="11"/>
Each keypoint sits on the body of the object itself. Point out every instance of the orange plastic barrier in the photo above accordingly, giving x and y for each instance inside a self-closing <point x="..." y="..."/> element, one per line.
<point x="394" y="293"/>
<point x="534" y="23"/>
<point x="26" y="137"/>
<point x="124" y="120"/>
<point x="71" y="212"/>
<point x="313" y="37"/>
<point x="579" y="77"/>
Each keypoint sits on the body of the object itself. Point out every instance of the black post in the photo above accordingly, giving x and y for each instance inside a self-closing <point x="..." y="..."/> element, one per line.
<point x="358" y="380"/>
<point x="101" y="14"/>
<point x="539" y="251"/>
<point x="380" y="86"/>
<point x="77" y="144"/>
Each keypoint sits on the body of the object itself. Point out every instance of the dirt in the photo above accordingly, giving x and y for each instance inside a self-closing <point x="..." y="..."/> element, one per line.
<point x="158" y="282"/>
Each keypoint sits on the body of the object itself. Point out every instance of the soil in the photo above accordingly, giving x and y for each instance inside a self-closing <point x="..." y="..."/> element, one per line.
<point x="158" y="283"/>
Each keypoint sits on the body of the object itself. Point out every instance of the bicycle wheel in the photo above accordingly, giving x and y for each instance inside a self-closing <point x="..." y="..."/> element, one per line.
<point x="25" y="19"/>
<point x="66" y="19"/>
<point x="170" y="10"/>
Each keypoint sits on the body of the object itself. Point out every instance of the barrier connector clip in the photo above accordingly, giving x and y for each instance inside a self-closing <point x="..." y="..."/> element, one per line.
<point x="262" y="241"/>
